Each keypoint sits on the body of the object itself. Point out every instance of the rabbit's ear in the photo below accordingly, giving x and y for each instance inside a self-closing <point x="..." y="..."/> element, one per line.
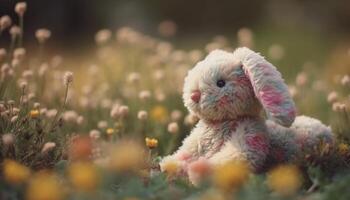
<point x="268" y="85"/>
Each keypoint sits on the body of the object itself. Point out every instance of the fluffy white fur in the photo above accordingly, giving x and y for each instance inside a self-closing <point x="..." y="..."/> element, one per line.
<point x="230" y="126"/>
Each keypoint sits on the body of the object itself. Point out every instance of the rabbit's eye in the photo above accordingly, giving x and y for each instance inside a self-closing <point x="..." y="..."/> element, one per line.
<point x="220" y="83"/>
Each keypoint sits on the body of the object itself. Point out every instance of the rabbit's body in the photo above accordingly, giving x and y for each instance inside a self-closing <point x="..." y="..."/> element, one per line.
<point x="305" y="134"/>
<point x="228" y="91"/>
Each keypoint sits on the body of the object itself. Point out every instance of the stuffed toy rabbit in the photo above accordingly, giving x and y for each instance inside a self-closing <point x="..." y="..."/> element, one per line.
<point x="228" y="91"/>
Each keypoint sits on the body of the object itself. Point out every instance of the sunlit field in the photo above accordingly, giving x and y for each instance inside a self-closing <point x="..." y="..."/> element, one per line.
<point x="96" y="126"/>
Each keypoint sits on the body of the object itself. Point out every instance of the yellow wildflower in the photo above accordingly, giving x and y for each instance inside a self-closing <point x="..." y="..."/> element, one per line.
<point x="44" y="186"/>
<point x="159" y="113"/>
<point x="110" y="131"/>
<point x="343" y="148"/>
<point x="284" y="179"/>
<point x="34" y="113"/>
<point x="151" y="142"/>
<point x="15" y="172"/>
<point x="127" y="156"/>
<point x="231" y="175"/>
<point x="83" y="176"/>
<point x="171" y="168"/>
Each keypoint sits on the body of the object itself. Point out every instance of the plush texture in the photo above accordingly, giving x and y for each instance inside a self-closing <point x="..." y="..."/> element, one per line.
<point x="228" y="91"/>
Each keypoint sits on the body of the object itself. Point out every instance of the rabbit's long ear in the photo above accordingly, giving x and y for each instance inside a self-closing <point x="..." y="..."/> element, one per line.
<point x="268" y="85"/>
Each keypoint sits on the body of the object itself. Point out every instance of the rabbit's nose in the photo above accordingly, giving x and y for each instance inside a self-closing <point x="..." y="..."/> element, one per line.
<point x="196" y="96"/>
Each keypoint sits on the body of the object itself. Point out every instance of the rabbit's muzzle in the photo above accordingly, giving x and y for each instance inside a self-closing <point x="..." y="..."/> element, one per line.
<point x="196" y="96"/>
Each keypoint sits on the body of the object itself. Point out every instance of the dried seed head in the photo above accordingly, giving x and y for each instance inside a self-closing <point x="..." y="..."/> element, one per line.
<point x="21" y="8"/>
<point x="5" y="22"/>
<point x="15" y="31"/>
<point x="68" y="78"/>
<point x="42" y="35"/>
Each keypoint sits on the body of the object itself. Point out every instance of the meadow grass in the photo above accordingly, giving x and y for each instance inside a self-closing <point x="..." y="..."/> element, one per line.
<point x="98" y="130"/>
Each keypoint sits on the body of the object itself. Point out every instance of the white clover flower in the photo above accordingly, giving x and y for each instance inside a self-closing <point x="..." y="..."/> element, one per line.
<point x="103" y="36"/>
<point x="133" y="77"/>
<point x="15" y="31"/>
<point x="345" y="81"/>
<point x="21" y="8"/>
<point x="42" y="35"/>
<point x="332" y="97"/>
<point x="176" y="115"/>
<point x="301" y="79"/>
<point x="5" y="22"/>
<point x="123" y="111"/>
<point x="173" y="128"/>
<point x="276" y="52"/>
<point x="245" y="37"/>
<point x="95" y="134"/>
<point x="102" y="124"/>
<point x="80" y="120"/>
<point x="142" y="115"/>
<point x="70" y="116"/>
<point x="145" y="95"/>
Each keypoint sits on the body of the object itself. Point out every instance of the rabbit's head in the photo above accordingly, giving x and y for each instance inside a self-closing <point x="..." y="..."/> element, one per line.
<point x="226" y="85"/>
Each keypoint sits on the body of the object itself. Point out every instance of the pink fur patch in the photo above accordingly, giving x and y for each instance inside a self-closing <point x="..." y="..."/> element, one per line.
<point x="183" y="156"/>
<point x="258" y="142"/>
<point x="270" y="96"/>
<point x="223" y="101"/>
